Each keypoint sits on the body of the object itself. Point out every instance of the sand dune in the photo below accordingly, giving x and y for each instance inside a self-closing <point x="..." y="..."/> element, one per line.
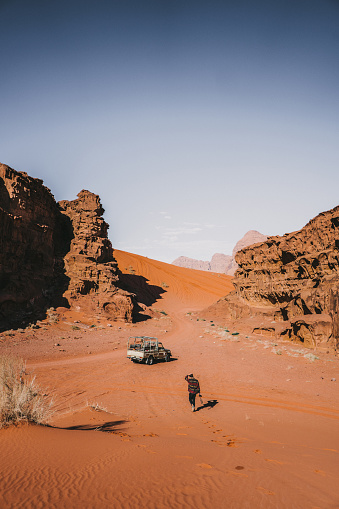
<point x="264" y="437"/>
<point x="180" y="287"/>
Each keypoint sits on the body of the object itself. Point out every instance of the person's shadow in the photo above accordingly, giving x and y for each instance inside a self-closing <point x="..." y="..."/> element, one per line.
<point x="210" y="404"/>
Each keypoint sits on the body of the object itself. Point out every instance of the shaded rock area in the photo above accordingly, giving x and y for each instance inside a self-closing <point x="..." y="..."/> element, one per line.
<point x="289" y="285"/>
<point x="221" y="263"/>
<point x="40" y="245"/>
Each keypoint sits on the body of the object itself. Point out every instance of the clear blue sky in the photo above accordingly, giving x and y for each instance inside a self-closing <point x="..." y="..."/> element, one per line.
<point x="194" y="121"/>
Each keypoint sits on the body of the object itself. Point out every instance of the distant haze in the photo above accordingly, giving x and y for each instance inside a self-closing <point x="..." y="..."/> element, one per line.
<point x="221" y="262"/>
<point x="194" y="121"/>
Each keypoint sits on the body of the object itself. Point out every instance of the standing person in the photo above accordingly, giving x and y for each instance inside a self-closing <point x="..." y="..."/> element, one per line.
<point x="193" y="389"/>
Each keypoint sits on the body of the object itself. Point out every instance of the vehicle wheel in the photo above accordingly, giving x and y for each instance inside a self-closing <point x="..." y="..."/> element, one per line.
<point x="150" y="360"/>
<point x="167" y="357"/>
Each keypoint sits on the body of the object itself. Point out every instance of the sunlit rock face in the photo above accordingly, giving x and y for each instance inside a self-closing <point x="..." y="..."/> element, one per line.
<point x="292" y="281"/>
<point x="41" y="243"/>
<point x="89" y="264"/>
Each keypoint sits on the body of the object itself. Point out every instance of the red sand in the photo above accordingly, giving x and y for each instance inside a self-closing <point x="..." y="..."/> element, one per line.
<point x="270" y="441"/>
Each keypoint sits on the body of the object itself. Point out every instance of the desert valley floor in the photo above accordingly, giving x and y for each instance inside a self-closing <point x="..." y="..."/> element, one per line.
<point x="123" y="434"/>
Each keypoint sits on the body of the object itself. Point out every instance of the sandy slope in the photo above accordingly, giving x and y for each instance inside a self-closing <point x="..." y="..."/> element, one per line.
<point x="267" y="439"/>
<point x="180" y="288"/>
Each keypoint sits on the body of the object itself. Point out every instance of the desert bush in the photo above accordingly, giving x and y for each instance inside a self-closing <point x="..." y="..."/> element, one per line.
<point x="20" y="396"/>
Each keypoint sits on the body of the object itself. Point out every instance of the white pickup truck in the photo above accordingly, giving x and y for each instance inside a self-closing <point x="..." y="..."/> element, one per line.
<point x="146" y="349"/>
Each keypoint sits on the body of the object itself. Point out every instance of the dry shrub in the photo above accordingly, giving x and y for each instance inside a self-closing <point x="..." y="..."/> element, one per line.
<point x="20" y="396"/>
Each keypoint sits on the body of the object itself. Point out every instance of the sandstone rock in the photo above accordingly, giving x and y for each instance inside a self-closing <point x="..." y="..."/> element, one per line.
<point x="221" y="263"/>
<point x="31" y="245"/>
<point x="292" y="280"/>
<point x="37" y="242"/>
<point x="89" y="264"/>
<point x="191" y="263"/>
<point x="250" y="238"/>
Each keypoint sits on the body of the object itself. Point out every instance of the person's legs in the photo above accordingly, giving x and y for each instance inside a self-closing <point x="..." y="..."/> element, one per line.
<point x="191" y="398"/>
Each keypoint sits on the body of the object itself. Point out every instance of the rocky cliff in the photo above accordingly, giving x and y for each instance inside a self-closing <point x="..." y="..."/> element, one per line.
<point x="89" y="264"/>
<point x="221" y="263"/>
<point x="289" y="285"/>
<point x="250" y="238"/>
<point x="39" y="246"/>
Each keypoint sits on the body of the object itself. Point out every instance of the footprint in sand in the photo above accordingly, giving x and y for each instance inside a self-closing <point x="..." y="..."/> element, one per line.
<point x="320" y="472"/>
<point x="264" y="490"/>
<point x="225" y="443"/>
<point x="204" y="465"/>
<point x="275" y="461"/>
<point x="236" y="474"/>
<point x="257" y="451"/>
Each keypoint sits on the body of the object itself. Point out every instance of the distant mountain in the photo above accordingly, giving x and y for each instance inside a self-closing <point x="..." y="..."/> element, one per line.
<point x="220" y="262"/>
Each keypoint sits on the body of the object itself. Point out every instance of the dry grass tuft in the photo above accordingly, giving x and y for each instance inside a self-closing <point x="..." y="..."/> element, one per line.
<point x="20" y="396"/>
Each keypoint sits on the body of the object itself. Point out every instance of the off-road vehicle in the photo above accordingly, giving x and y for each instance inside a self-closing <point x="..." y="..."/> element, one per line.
<point x="146" y="349"/>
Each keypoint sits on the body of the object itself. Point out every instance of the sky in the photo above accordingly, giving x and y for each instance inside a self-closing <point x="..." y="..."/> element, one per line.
<point x="194" y="121"/>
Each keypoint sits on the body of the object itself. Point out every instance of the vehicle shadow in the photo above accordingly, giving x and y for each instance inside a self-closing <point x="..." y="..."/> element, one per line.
<point x="210" y="404"/>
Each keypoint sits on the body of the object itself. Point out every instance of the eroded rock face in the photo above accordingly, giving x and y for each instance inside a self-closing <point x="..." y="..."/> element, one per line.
<point x="293" y="281"/>
<point x="89" y="264"/>
<point x="32" y="244"/>
<point x="52" y="257"/>
<point x="250" y="238"/>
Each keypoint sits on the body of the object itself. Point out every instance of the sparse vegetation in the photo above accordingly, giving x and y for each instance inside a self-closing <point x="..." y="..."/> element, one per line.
<point x="75" y="327"/>
<point x="130" y="270"/>
<point x="163" y="313"/>
<point x="52" y="316"/>
<point x="311" y="357"/>
<point x="164" y="285"/>
<point x="97" y="407"/>
<point x="20" y="397"/>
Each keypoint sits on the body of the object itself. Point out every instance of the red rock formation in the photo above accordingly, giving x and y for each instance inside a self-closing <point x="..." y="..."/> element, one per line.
<point x="30" y="246"/>
<point x="89" y="264"/>
<point x="250" y="238"/>
<point x="292" y="281"/>
<point x="35" y="240"/>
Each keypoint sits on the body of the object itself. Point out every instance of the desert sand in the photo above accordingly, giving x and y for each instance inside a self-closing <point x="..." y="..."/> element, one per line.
<point x="123" y="434"/>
